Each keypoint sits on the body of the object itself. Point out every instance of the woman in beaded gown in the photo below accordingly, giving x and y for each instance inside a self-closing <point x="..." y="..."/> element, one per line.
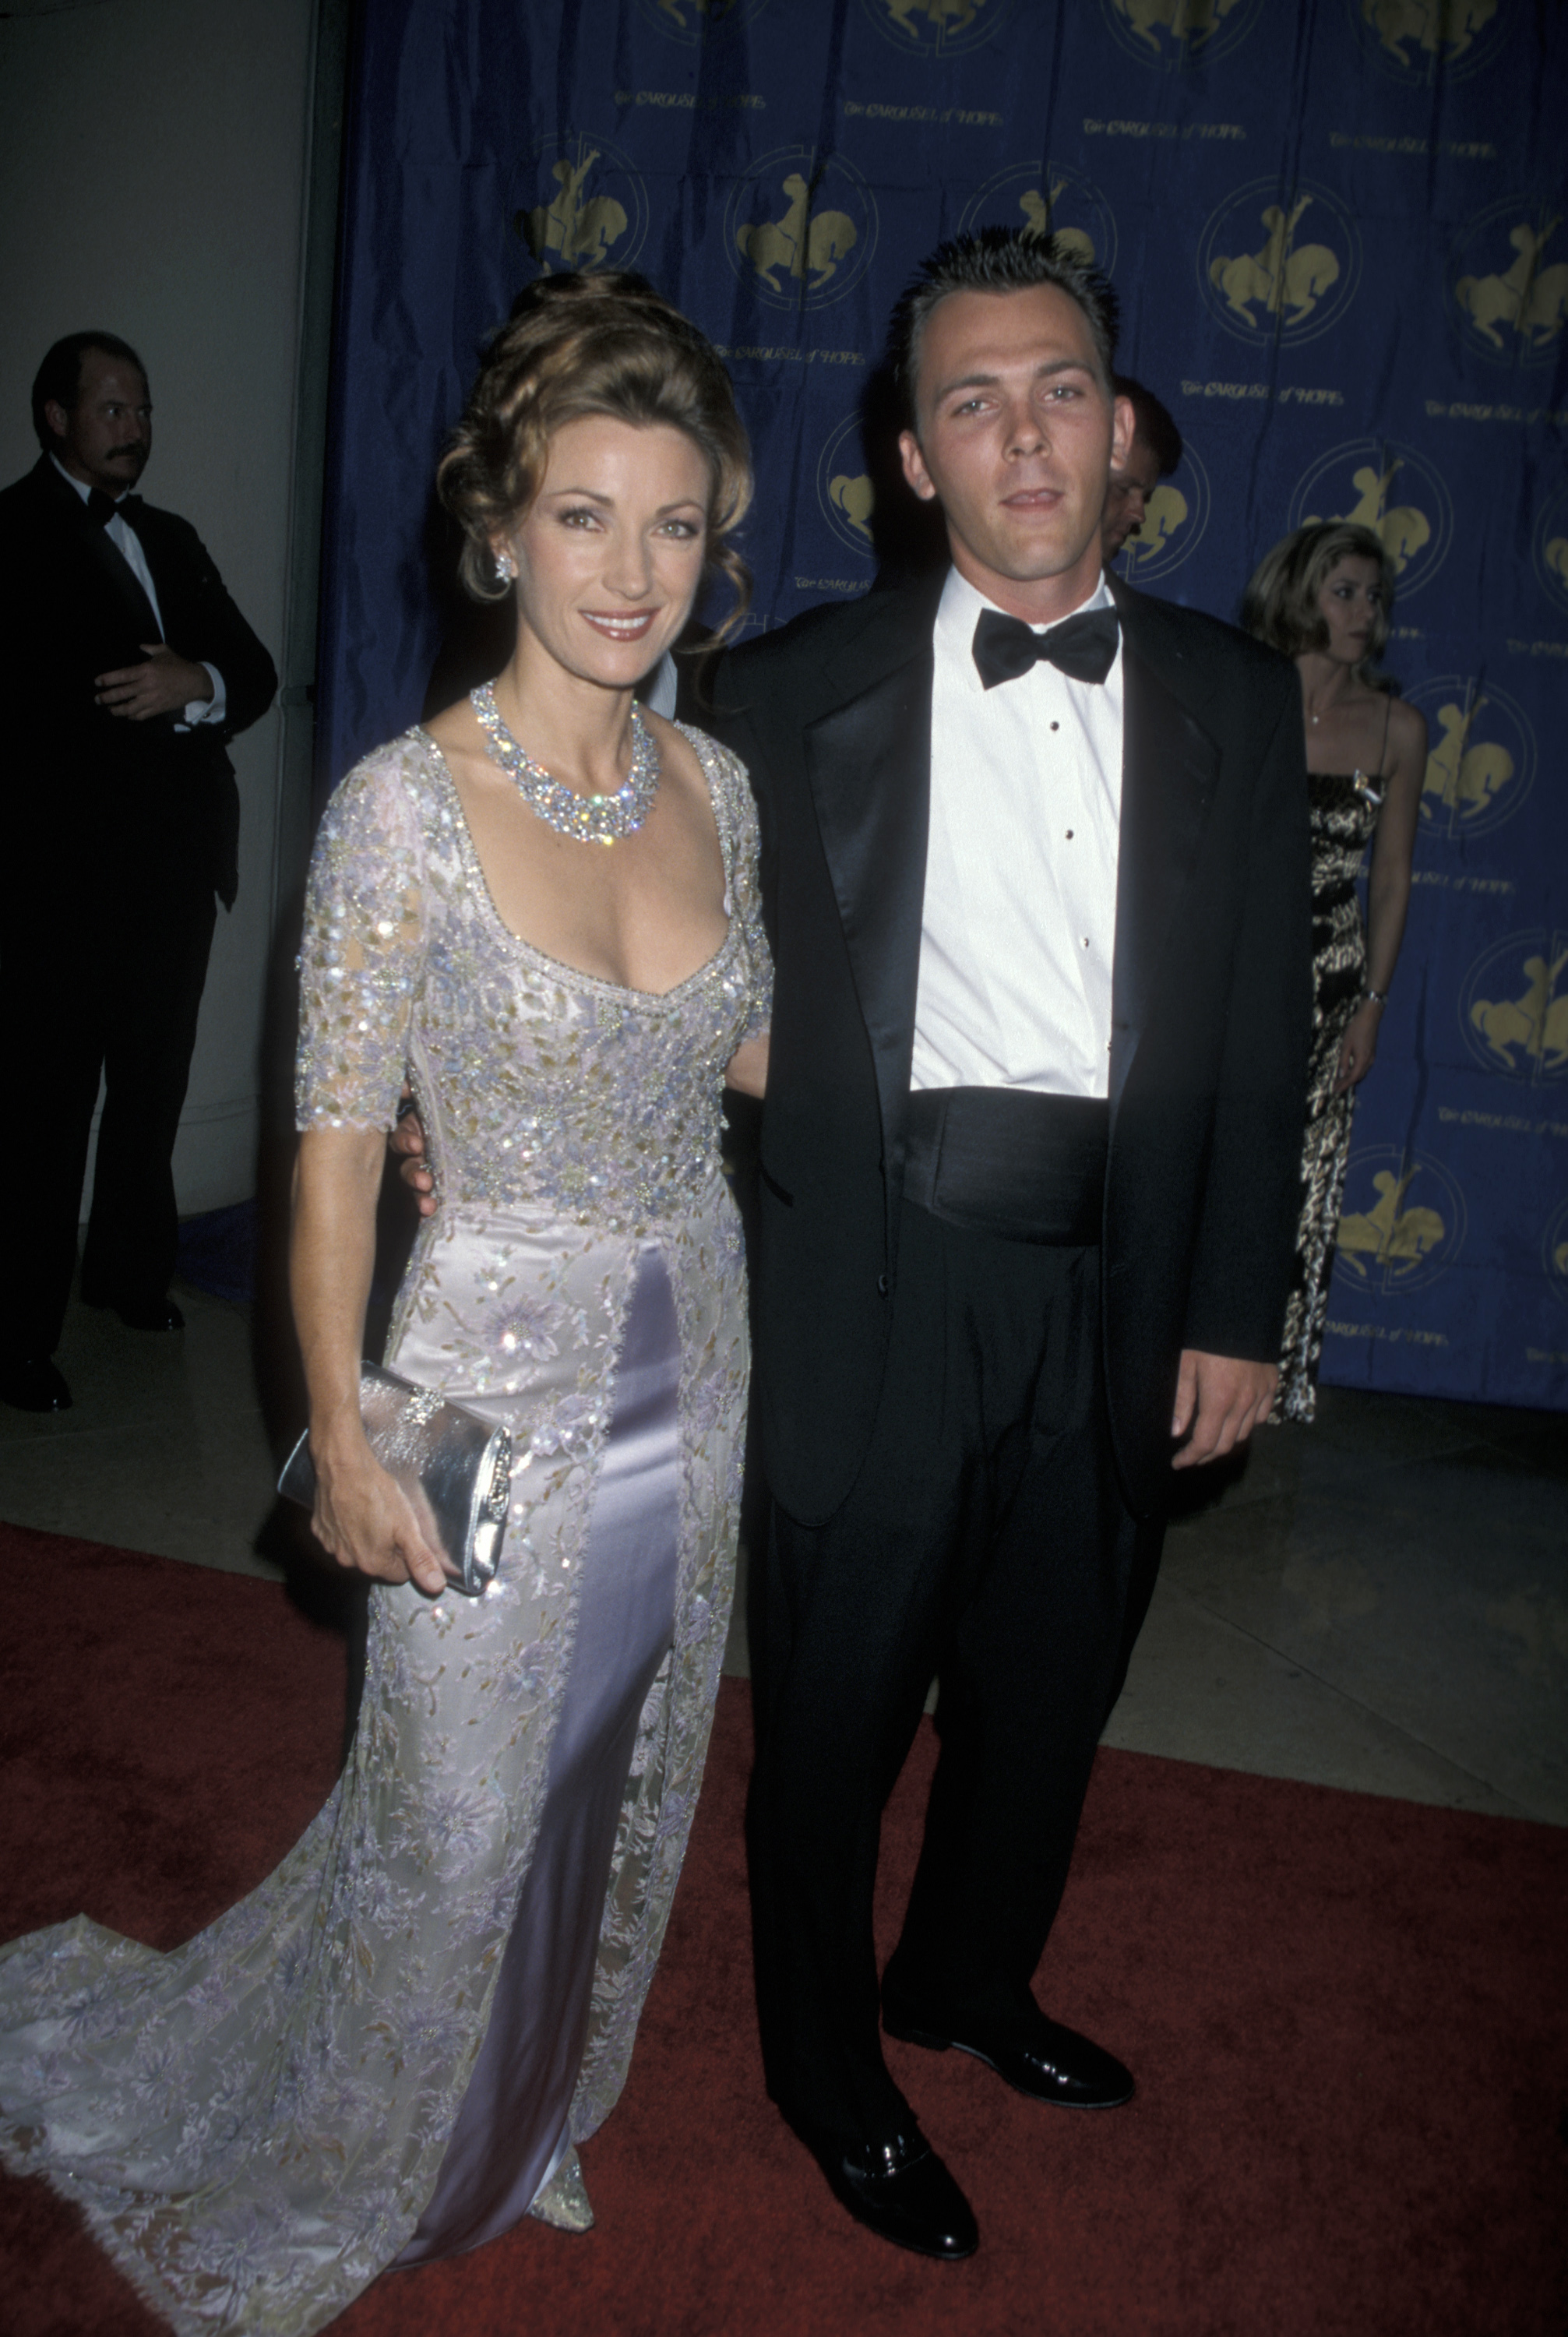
<point x="389" y="2052"/>
<point x="1323" y="596"/>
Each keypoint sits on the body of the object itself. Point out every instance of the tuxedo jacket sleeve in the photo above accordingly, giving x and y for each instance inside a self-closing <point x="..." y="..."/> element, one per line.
<point x="78" y="781"/>
<point x="1211" y="1012"/>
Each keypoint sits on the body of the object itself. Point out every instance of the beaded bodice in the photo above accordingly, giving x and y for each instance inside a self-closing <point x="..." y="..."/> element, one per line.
<point x="542" y="1088"/>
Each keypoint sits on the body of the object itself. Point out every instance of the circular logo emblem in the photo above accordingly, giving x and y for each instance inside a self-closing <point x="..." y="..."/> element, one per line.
<point x="1049" y="199"/>
<point x="1390" y="489"/>
<point x="801" y="231"/>
<point x="1549" y="547"/>
<point x="1555" y="1251"/>
<point x="580" y="205"/>
<point x="1174" y="519"/>
<point x="939" y="27"/>
<point x="1171" y="33"/>
<point x="1403" y="1222"/>
<point x="1480" y="756"/>
<point x="844" y="488"/>
<point x="1514" y="1007"/>
<point x="1280" y="265"/>
<point x="1508" y="282"/>
<point x="688" y="21"/>
<point x="1416" y="40"/>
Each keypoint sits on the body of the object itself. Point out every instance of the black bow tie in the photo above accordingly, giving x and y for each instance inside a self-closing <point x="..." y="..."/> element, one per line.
<point x="1083" y="647"/>
<point x="102" y="507"/>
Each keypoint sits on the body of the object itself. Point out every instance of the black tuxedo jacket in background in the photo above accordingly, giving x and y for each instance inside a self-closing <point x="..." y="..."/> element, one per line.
<point x="1211" y="1010"/>
<point x="89" y="797"/>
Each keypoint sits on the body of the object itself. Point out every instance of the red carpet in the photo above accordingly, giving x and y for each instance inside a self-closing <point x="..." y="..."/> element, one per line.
<point x="1346" y="2015"/>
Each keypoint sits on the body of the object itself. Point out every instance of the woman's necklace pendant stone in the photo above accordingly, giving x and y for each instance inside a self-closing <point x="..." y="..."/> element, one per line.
<point x="587" y="820"/>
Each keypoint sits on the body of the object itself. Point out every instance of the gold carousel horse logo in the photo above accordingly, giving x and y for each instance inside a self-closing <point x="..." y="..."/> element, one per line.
<point x="1053" y="200"/>
<point x="1414" y="37"/>
<point x="799" y="240"/>
<point x="816" y="235"/>
<point x="1554" y="1250"/>
<point x="1293" y="283"/>
<point x="1480" y="759"/>
<point x="939" y="26"/>
<point x="1400" y="1238"/>
<point x="1549" y="547"/>
<point x="845" y="490"/>
<point x="1390" y="489"/>
<point x="598" y="210"/>
<point x="1176" y="32"/>
<point x="1038" y="207"/>
<point x="1174" y="519"/>
<point x="1514" y="313"/>
<point x="688" y="20"/>
<point x="1513" y="1011"/>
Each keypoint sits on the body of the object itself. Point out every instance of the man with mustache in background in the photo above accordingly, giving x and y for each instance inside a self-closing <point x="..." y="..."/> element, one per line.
<point x="127" y="669"/>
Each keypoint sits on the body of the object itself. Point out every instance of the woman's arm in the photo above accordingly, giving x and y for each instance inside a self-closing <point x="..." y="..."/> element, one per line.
<point x="362" y="1516"/>
<point x="1387" y="887"/>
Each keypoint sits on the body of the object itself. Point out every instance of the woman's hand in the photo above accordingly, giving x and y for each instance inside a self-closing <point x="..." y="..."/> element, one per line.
<point x="1359" y="1052"/>
<point x="362" y="1515"/>
<point x="365" y="1519"/>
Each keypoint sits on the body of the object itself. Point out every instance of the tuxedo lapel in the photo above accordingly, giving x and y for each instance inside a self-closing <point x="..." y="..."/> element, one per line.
<point x="869" y="761"/>
<point x="1169" y="767"/>
<point x="108" y="566"/>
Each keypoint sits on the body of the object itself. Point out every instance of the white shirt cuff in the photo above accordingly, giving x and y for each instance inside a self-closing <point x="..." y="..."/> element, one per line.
<point x="209" y="710"/>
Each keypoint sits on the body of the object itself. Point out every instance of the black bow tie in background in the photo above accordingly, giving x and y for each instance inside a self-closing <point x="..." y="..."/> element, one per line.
<point x="104" y="507"/>
<point x="1083" y="647"/>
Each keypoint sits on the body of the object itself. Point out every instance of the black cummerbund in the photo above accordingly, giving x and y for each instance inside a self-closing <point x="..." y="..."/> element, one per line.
<point x="1007" y="1161"/>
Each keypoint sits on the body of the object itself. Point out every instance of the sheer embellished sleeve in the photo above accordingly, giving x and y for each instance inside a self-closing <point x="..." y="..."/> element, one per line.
<point x="741" y="842"/>
<point x="362" y="954"/>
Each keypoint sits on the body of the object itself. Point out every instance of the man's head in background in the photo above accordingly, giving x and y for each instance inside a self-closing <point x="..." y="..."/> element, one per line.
<point x="1155" y="452"/>
<point x="93" y="411"/>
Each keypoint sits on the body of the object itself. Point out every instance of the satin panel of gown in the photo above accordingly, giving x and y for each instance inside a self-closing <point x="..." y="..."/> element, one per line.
<point x="1344" y="816"/>
<point x="254" y="2124"/>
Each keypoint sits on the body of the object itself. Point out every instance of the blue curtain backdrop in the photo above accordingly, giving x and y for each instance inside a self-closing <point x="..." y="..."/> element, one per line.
<point x="1339" y="232"/>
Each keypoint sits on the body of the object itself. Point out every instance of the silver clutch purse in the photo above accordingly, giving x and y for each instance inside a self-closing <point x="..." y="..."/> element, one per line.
<point x="454" y="1466"/>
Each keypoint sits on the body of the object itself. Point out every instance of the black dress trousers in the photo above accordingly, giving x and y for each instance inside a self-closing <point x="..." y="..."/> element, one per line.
<point x="105" y="979"/>
<point x="986" y="1542"/>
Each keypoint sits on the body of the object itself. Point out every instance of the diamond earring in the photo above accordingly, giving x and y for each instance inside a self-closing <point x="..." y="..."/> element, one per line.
<point x="506" y="567"/>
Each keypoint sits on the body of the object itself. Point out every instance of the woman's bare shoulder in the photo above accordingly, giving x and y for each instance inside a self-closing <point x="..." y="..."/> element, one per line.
<point x="1406" y="728"/>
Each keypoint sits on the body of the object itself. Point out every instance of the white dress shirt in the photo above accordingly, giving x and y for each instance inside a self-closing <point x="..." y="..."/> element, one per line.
<point x="128" y="545"/>
<point x="1019" y="925"/>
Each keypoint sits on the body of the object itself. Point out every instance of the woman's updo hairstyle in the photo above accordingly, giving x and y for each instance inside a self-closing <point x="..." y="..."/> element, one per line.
<point x="605" y="343"/>
<point x="1280" y="605"/>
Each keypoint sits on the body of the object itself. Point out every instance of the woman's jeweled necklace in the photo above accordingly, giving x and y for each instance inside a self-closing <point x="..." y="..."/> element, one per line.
<point x="588" y="819"/>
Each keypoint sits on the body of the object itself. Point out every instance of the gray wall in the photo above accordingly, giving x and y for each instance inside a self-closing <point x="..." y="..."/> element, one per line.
<point x="153" y="160"/>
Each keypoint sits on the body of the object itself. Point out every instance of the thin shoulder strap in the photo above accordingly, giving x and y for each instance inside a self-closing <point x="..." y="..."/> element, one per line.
<point x="1387" y="718"/>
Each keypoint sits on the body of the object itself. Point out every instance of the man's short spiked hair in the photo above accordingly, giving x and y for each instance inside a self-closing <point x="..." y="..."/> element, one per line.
<point x="999" y="259"/>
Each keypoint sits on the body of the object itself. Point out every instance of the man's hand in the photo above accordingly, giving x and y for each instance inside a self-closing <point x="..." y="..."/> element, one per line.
<point x="167" y="684"/>
<point x="1221" y="1399"/>
<point x="406" y="1146"/>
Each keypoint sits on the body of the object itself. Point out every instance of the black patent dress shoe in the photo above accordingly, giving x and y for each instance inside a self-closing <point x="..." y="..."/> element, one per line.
<point x="899" y="2189"/>
<point x="1052" y="2064"/>
<point x="142" y="1313"/>
<point x="32" y="1383"/>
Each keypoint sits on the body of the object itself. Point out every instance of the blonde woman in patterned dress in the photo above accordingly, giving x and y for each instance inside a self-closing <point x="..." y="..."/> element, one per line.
<point x="1323" y="596"/>
<point x="391" y="2050"/>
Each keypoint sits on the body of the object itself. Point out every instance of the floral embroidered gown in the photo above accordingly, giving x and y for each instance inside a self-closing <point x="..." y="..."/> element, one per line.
<point x="383" y="2052"/>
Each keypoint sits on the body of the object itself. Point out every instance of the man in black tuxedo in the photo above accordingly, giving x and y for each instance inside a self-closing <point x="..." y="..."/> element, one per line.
<point x="127" y="669"/>
<point x="1036" y="867"/>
